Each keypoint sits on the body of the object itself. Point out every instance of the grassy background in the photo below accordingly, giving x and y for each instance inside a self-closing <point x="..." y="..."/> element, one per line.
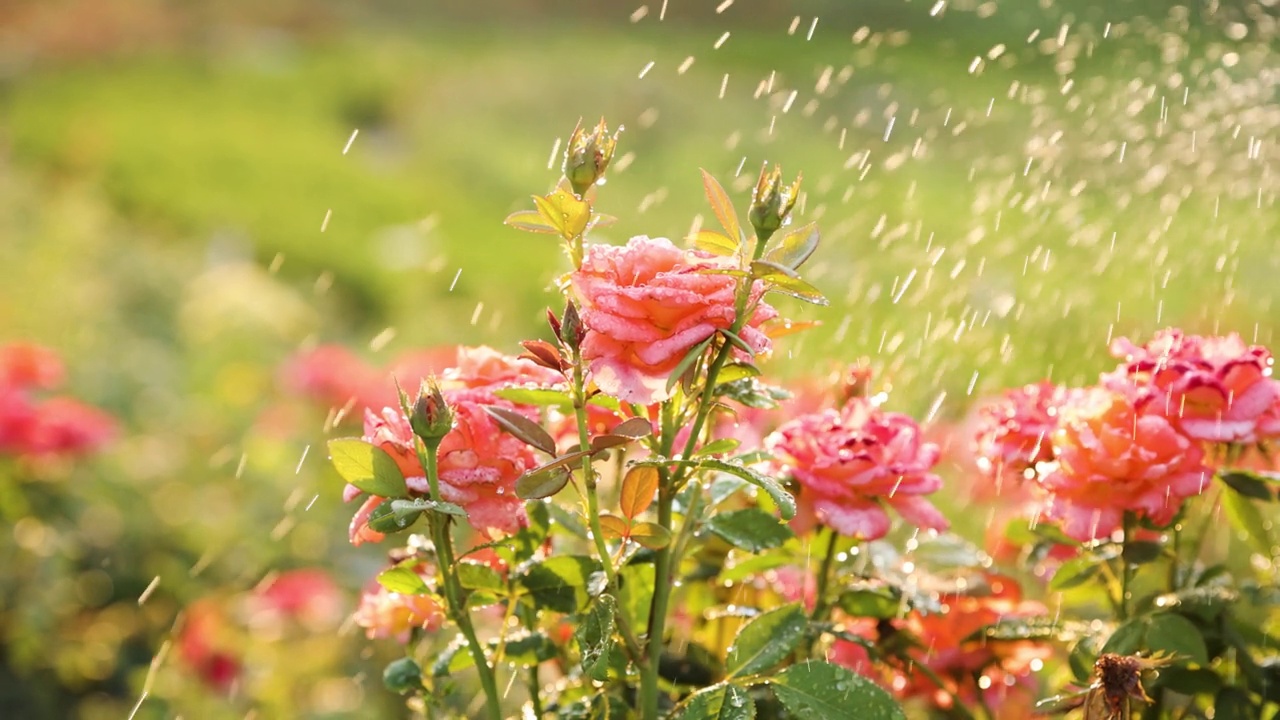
<point x="163" y="185"/>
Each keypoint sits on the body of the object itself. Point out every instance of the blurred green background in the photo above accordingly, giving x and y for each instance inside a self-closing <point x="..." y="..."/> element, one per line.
<point x="1002" y="186"/>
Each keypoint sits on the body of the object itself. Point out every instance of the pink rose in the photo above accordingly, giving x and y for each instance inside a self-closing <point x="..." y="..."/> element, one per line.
<point x="852" y="463"/>
<point x="484" y="367"/>
<point x="645" y="306"/>
<point x="1115" y="456"/>
<point x="384" y="614"/>
<point x="1013" y="432"/>
<point x="1216" y="389"/>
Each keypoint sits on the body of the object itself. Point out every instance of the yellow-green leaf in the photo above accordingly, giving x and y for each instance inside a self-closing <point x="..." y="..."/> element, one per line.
<point x="531" y="221"/>
<point x="795" y="247"/>
<point x="368" y="467"/>
<point x="715" y="243"/>
<point x="721" y="205"/>
<point x="650" y="535"/>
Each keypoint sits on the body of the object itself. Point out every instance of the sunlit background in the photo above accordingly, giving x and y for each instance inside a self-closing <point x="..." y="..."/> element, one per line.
<point x="193" y="193"/>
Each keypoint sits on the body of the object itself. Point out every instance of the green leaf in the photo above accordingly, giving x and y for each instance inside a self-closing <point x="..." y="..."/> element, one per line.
<point x="528" y="648"/>
<point x="1141" y="552"/>
<point x="402" y="675"/>
<point x="1233" y="703"/>
<point x="736" y="371"/>
<point x="687" y="362"/>
<point x="542" y="483"/>
<point x="737" y="342"/>
<point x="784" y="280"/>
<point x="1248" y="484"/>
<point x="751" y="529"/>
<point x="453" y="659"/>
<point x="1127" y="639"/>
<point x="1176" y="635"/>
<point x="719" y="702"/>
<point x="715" y="243"/>
<point x="1188" y="681"/>
<point x="404" y="581"/>
<point x="477" y="576"/>
<point x="880" y="602"/>
<point x="786" y="504"/>
<point x="385" y="519"/>
<point x="540" y="397"/>
<point x="410" y="509"/>
<point x="1247" y="521"/>
<point x="766" y="640"/>
<point x="795" y="247"/>
<point x="719" y="446"/>
<point x="522" y="428"/>
<point x="822" y="691"/>
<point x="721" y="205"/>
<point x="595" y="637"/>
<point x="635" y="593"/>
<point x="560" y="583"/>
<point x="1074" y="572"/>
<point x="368" y="467"/>
<point x="1031" y="628"/>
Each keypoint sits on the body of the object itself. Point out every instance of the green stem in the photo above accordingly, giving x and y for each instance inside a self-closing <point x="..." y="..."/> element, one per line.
<point x="535" y="691"/>
<point x="1126" y="568"/>
<point x="454" y="599"/>
<point x="658" y="610"/>
<point x="820" y="605"/>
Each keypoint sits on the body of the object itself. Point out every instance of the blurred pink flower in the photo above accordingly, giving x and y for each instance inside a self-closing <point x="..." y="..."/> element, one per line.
<point x="1216" y="389"/>
<point x="645" y="306"/>
<point x="309" y="596"/>
<point x="484" y="367"/>
<point x="385" y="614"/>
<point x="205" y="643"/>
<point x="853" y="462"/>
<point x="26" y="365"/>
<point x="1112" y="456"/>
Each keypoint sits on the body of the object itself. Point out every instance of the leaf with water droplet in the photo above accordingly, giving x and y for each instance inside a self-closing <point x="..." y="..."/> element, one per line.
<point x="542" y="483"/>
<point x="1074" y="572"/>
<point x="560" y="583"/>
<point x="766" y="640"/>
<point x="751" y="529"/>
<point x="786" y="281"/>
<point x="1247" y="520"/>
<point x="595" y="637"/>
<point x="783" y="499"/>
<point x="718" y="702"/>
<point x="566" y="213"/>
<point x="650" y="535"/>
<point x="817" y="690"/>
<point x="794" y="248"/>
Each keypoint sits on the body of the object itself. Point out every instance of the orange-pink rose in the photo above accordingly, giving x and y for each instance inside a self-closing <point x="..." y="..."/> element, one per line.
<point x="645" y="306"/>
<point x="385" y="614"/>
<point x="854" y="462"/>
<point x="1013" y="433"/>
<point x="1114" y="456"/>
<point x="1215" y="389"/>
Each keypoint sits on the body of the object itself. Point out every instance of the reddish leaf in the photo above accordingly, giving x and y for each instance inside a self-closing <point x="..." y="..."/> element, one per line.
<point x="635" y="428"/>
<point x="638" y="488"/>
<point x="545" y="354"/>
<point x="523" y="428"/>
<point x="614" y="527"/>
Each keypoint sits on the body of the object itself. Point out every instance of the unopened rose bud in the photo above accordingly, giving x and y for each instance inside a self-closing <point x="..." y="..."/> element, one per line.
<point x="431" y="418"/>
<point x="571" y="328"/>
<point x="771" y="202"/>
<point x="588" y="155"/>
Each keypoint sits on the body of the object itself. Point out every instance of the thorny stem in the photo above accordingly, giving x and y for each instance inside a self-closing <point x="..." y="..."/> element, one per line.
<point x="590" y="480"/>
<point x="439" y="524"/>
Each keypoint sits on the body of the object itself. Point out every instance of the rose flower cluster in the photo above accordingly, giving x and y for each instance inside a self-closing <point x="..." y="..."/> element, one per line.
<point x="1142" y="441"/>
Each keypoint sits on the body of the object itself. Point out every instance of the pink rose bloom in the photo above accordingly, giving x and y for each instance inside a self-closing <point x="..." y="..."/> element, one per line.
<point x="479" y="463"/>
<point x="852" y="463"/>
<point x="309" y="596"/>
<point x="1013" y="432"/>
<point x="384" y="614"/>
<point x="645" y="306"/>
<point x="1115" y="456"/>
<point x="1216" y="389"/>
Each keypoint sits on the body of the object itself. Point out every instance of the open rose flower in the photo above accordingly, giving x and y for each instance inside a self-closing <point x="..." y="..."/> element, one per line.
<point x="645" y="306"/>
<point x="1112" y="456"/>
<point x="854" y="462"/>
<point x="1215" y="389"/>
